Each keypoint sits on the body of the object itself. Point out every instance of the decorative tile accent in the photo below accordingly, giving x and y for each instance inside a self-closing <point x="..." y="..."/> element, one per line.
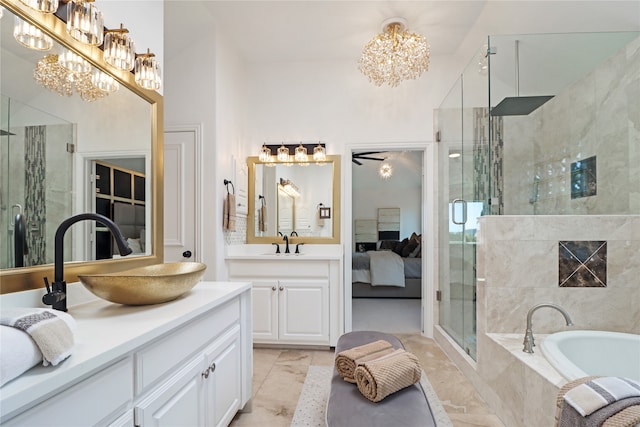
<point x="582" y="264"/>
<point x="583" y="178"/>
<point x="35" y="190"/>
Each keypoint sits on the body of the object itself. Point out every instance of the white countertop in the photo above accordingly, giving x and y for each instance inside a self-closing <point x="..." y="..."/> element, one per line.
<point x="107" y="332"/>
<point x="312" y="252"/>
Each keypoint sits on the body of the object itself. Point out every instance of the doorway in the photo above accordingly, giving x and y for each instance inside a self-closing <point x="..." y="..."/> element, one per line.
<point x="381" y="212"/>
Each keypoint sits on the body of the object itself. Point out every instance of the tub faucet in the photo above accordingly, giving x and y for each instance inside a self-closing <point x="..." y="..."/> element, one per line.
<point x="528" y="335"/>
<point x="56" y="296"/>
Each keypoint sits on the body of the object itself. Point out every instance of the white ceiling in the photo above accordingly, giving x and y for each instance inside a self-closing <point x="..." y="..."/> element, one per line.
<point x="283" y="31"/>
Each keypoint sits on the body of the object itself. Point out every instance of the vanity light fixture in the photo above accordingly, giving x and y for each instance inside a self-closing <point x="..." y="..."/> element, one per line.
<point x="301" y="154"/>
<point x="44" y="6"/>
<point x="73" y="63"/>
<point x="85" y="22"/>
<point x="104" y="82"/>
<point x="283" y="153"/>
<point x="289" y="187"/>
<point x="147" y="71"/>
<point x="30" y="36"/>
<point x="119" y="49"/>
<point x="265" y="154"/>
<point x="386" y="170"/>
<point x="319" y="153"/>
<point x="394" y="55"/>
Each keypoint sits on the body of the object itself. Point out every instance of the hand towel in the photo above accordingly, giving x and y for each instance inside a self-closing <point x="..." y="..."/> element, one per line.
<point x="378" y="378"/>
<point x="592" y="395"/>
<point x="229" y="213"/>
<point x="51" y="330"/>
<point x="347" y="360"/>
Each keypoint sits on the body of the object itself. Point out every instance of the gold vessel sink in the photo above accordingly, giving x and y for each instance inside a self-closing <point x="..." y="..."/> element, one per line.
<point x="152" y="284"/>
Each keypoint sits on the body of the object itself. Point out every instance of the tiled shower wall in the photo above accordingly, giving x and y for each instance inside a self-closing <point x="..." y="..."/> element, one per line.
<point x="518" y="267"/>
<point x="596" y="116"/>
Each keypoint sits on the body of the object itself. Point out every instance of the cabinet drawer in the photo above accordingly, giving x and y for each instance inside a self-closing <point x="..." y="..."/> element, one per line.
<point x="277" y="268"/>
<point x="158" y="360"/>
<point x="78" y="405"/>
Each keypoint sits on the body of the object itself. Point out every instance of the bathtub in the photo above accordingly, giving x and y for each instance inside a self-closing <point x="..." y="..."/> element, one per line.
<point x="576" y="354"/>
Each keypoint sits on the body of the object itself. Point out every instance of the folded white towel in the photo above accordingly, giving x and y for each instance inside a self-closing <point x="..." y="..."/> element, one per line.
<point x="51" y="330"/>
<point x="600" y="392"/>
<point x="18" y="353"/>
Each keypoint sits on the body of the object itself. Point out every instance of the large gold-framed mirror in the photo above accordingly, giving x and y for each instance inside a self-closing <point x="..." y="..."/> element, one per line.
<point x="133" y="150"/>
<point x="288" y="197"/>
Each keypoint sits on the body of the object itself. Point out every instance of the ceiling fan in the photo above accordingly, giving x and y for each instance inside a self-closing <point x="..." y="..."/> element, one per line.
<point x="356" y="157"/>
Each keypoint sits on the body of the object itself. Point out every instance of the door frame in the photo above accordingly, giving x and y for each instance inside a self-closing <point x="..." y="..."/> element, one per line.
<point x="429" y="226"/>
<point x="196" y="129"/>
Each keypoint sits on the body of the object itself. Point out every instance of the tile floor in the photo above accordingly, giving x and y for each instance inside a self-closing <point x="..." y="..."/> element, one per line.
<point x="279" y="374"/>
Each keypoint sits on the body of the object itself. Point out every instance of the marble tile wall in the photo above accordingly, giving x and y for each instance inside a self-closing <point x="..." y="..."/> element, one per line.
<point x="518" y="267"/>
<point x="604" y="109"/>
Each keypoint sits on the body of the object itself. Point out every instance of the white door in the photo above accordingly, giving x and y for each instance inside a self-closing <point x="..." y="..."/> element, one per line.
<point x="180" y="190"/>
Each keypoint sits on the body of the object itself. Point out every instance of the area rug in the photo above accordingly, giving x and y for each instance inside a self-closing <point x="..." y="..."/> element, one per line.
<point x="312" y="403"/>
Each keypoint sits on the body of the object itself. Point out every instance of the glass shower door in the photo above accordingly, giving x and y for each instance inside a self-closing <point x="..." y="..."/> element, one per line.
<point x="464" y="164"/>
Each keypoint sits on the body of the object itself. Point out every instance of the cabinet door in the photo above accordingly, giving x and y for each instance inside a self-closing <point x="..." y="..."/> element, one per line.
<point x="265" y="310"/>
<point x="223" y="390"/>
<point x="304" y="311"/>
<point x="178" y="402"/>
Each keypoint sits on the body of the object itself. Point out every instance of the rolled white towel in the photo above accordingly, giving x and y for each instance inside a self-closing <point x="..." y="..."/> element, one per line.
<point x="19" y="353"/>
<point x="51" y="330"/>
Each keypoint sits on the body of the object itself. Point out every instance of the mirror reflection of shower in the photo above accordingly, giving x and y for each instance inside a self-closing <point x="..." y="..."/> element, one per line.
<point x="36" y="178"/>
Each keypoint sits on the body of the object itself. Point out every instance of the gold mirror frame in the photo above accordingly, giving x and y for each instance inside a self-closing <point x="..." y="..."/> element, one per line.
<point x="251" y="216"/>
<point x="21" y="279"/>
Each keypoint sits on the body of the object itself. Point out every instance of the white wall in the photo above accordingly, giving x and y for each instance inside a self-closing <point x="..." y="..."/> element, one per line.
<point x="328" y="101"/>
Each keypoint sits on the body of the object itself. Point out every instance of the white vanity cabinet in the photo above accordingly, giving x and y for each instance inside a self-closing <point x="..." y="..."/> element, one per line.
<point x="187" y="362"/>
<point x="295" y="299"/>
<point x="205" y="391"/>
<point x="291" y="311"/>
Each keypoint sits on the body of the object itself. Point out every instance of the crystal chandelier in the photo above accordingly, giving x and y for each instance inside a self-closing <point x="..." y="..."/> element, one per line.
<point x="53" y="76"/>
<point x="395" y="55"/>
<point x="386" y="170"/>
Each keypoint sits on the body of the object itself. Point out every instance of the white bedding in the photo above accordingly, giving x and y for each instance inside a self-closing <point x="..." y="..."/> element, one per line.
<point x="387" y="269"/>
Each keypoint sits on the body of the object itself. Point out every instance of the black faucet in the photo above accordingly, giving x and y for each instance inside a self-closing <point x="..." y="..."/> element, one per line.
<point x="294" y="232"/>
<point x="277" y="247"/>
<point x="56" y="297"/>
<point x="298" y="247"/>
<point x="286" y="239"/>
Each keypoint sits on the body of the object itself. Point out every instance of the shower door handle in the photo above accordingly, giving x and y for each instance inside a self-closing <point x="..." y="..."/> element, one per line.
<point x="464" y="211"/>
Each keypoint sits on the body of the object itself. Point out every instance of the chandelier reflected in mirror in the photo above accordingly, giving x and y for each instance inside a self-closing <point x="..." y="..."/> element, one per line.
<point x="394" y="55"/>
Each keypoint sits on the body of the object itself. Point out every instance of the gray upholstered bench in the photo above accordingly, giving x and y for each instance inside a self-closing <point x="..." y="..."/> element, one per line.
<point x="347" y="407"/>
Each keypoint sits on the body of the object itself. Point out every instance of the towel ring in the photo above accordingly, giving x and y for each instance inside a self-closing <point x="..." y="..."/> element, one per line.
<point x="227" y="182"/>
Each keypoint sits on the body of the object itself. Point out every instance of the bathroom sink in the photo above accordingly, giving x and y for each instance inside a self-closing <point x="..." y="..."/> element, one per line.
<point x="152" y="284"/>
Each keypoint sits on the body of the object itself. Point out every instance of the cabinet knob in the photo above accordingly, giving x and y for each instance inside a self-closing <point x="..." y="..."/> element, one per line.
<point x="212" y="367"/>
<point x="273" y="288"/>
<point x="282" y="288"/>
<point x="205" y="374"/>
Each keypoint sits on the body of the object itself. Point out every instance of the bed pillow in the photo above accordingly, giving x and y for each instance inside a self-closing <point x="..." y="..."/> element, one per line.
<point x="388" y="245"/>
<point x="400" y="246"/>
<point x="417" y="252"/>
<point x="409" y="248"/>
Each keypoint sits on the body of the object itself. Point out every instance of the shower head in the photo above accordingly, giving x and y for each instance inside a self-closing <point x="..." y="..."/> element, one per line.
<point x="519" y="105"/>
<point x="4" y="133"/>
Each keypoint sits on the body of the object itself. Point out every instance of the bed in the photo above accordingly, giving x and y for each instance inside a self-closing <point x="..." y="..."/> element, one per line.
<point x="386" y="274"/>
